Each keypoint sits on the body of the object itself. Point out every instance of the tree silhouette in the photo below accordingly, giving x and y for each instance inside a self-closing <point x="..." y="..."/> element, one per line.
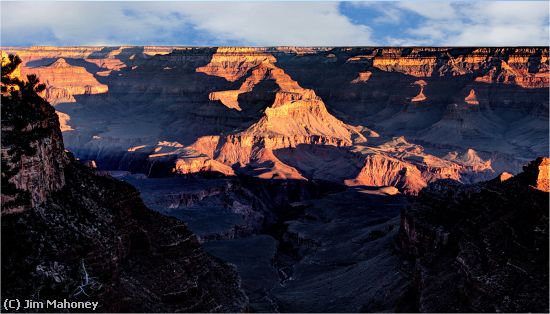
<point x="21" y="110"/>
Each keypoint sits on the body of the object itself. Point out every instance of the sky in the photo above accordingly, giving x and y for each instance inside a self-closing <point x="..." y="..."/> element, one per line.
<point x="276" y="23"/>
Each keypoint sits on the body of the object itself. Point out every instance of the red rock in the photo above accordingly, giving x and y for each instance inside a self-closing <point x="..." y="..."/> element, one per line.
<point x="420" y="96"/>
<point x="543" y="178"/>
<point x="471" y="99"/>
<point x="362" y="77"/>
<point x="64" y="81"/>
<point x="504" y="176"/>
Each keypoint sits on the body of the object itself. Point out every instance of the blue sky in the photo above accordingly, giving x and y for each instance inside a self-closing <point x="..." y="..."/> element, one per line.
<point x="270" y="23"/>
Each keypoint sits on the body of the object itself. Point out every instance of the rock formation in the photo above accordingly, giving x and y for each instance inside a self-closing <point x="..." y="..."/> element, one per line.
<point x="299" y="117"/>
<point x="481" y="247"/>
<point x="420" y="96"/>
<point x="64" y="121"/>
<point x="471" y="99"/>
<point x="233" y="63"/>
<point x="70" y="234"/>
<point x="296" y="116"/>
<point x="64" y="81"/>
<point x="362" y="77"/>
<point x="33" y="156"/>
<point x="383" y="102"/>
<point x="200" y="165"/>
<point x="262" y="111"/>
<point x="383" y="171"/>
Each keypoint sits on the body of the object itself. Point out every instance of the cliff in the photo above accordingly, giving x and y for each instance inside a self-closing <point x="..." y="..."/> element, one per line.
<point x="33" y="156"/>
<point x="481" y="247"/>
<point x="263" y="111"/>
<point x="65" y="81"/>
<point x="70" y="234"/>
<point x="296" y="116"/>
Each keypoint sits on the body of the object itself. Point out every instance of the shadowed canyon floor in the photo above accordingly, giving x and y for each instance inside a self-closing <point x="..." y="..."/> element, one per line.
<point x="332" y="252"/>
<point x="326" y="176"/>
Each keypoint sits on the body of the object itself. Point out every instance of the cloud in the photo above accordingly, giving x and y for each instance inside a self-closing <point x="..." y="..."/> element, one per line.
<point x="505" y="23"/>
<point x="439" y="10"/>
<point x="279" y="23"/>
<point x="270" y="23"/>
<point x="73" y="23"/>
<point x="459" y="23"/>
<point x="183" y="23"/>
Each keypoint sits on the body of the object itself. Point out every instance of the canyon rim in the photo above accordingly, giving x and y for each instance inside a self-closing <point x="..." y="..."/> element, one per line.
<point x="275" y="174"/>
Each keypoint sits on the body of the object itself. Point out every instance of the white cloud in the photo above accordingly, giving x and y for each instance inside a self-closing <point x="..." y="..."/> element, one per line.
<point x="279" y="23"/>
<point x="70" y="23"/>
<point x="505" y="23"/>
<point x="438" y="10"/>
<point x="387" y="13"/>
<point x="483" y="23"/>
<point x="269" y="23"/>
<point x="115" y="23"/>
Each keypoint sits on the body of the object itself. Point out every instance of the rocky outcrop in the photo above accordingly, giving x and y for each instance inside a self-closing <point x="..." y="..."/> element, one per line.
<point x="201" y="165"/>
<point x="410" y="168"/>
<point x="471" y="99"/>
<point x="518" y="70"/>
<point x="64" y="81"/>
<point x="33" y="156"/>
<point x="82" y="237"/>
<point x="380" y="170"/>
<point x="362" y="77"/>
<point x="64" y="121"/>
<point x="233" y="63"/>
<point x="537" y="174"/>
<point x="420" y="96"/>
<point x="481" y="247"/>
<point x="526" y="67"/>
<point x="384" y="102"/>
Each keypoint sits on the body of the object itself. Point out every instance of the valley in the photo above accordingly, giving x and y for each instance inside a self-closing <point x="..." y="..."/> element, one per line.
<point x="294" y="244"/>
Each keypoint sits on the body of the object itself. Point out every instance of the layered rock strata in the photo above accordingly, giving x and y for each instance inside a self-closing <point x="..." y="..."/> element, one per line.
<point x="481" y="247"/>
<point x="64" y="81"/>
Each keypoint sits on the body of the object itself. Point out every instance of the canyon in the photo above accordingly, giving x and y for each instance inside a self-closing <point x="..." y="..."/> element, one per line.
<point x="346" y="115"/>
<point x="332" y="179"/>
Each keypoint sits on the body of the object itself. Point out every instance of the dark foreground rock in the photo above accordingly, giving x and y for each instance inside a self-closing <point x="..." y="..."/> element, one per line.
<point x="70" y="234"/>
<point x="481" y="247"/>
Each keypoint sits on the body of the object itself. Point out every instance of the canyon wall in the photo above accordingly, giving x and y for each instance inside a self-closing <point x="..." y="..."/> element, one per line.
<point x="70" y="234"/>
<point x="427" y="113"/>
<point x="33" y="156"/>
<point x="481" y="247"/>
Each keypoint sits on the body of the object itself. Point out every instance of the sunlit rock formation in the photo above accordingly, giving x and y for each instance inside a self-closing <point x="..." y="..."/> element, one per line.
<point x="201" y="164"/>
<point x="296" y="116"/>
<point x="362" y="77"/>
<point x="471" y="99"/>
<point x="233" y="63"/>
<point x="420" y="96"/>
<point x="64" y="81"/>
